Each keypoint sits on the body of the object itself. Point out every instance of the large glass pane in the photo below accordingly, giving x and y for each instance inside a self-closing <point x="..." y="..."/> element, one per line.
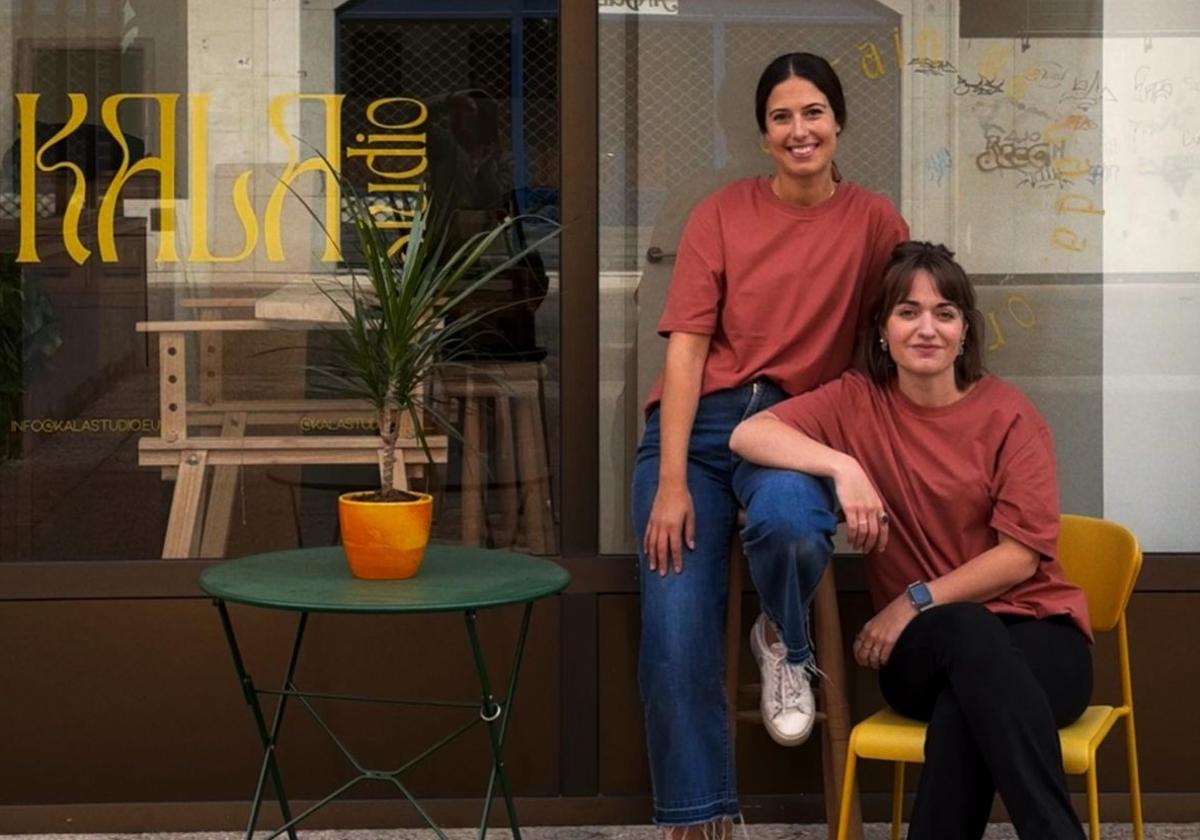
<point x="676" y="122"/>
<point x="1053" y="146"/>
<point x="159" y="301"/>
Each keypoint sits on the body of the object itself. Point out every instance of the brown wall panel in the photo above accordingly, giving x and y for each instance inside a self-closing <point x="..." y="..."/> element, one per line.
<point x="1165" y="680"/>
<point x="126" y="701"/>
<point x="622" y="752"/>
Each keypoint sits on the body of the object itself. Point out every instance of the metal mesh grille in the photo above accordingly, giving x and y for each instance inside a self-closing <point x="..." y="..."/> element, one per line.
<point x="675" y="90"/>
<point x="98" y="73"/>
<point x="869" y="150"/>
<point x="424" y="60"/>
<point x="540" y="72"/>
<point x="492" y="140"/>
<point x="456" y="64"/>
<point x="658" y="102"/>
<point x="613" y="142"/>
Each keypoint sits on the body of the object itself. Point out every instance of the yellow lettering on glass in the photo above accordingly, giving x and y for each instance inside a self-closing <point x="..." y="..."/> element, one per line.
<point x="32" y="162"/>
<point x="328" y="166"/>
<point x="198" y="183"/>
<point x="411" y="145"/>
<point x="400" y="140"/>
<point x="163" y="164"/>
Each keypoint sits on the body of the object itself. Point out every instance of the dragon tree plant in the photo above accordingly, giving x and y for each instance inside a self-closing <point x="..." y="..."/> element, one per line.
<point x="408" y="316"/>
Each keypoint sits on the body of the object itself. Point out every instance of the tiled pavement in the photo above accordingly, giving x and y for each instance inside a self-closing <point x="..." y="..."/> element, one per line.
<point x="877" y="831"/>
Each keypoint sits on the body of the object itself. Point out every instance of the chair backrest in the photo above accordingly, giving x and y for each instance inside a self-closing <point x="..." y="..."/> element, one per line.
<point x="1103" y="559"/>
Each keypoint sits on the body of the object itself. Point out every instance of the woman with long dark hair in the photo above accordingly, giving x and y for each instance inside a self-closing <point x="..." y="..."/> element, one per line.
<point x="772" y="278"/>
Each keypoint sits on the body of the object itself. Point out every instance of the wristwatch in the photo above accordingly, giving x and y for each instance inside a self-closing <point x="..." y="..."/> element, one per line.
<point x="920" y="596"/>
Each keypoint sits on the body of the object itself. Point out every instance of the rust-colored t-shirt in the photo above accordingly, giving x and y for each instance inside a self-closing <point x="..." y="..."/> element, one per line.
<point x="952" y="479"/>
<point x="781" y="289"/>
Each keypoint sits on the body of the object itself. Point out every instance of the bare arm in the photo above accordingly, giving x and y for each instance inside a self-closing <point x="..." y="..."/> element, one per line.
<point x="987" y="575"/>
<point x="980" y="579"/>
<point x="672" y="518"/>
<point x="767" y="440"/>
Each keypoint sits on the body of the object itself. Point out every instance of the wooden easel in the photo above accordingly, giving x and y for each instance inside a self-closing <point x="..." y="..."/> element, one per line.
<point x="205" y="467"/>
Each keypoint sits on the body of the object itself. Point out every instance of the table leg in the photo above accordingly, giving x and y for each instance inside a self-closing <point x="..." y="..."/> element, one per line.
<point x="268" y="737"/>
<point x="497" y="717"/>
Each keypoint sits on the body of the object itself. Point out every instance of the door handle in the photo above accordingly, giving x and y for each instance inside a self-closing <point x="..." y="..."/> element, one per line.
<point x="655" y="254"/>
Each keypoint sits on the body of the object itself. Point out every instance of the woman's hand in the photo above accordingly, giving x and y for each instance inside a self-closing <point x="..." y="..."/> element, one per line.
<point x="866" y="519"/>
<point x="672" y="525"/>
<point x="874" y="643"/>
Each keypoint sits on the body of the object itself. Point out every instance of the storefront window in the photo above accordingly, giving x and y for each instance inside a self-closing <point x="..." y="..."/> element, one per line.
<point x="676" y="122"/>
<point x="1053" y="148"/>
<point x="159" y="309"/>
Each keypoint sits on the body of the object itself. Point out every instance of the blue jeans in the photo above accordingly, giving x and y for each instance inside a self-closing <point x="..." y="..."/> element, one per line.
<point x="790" y="520"/>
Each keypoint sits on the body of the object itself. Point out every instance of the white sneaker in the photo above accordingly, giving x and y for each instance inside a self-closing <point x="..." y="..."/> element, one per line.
<point x="788" y="708"/>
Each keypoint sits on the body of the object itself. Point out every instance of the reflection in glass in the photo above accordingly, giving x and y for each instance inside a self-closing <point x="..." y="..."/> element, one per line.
<point x="147" y="363"/>
<point x="676" y="122"/>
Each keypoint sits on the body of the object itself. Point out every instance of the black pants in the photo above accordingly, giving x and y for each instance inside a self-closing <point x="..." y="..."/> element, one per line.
<point x="994" y="690"/>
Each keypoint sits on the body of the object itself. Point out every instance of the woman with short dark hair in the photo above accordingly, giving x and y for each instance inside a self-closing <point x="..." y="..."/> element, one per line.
<point x="772" y="278"/>
<point x="947" y="478"/>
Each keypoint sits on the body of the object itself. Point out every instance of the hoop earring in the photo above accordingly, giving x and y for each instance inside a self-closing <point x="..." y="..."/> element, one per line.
<point x="962" y="347"/>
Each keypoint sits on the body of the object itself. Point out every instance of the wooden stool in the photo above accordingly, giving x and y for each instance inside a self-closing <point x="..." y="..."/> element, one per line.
<point x="833" y="710"/>
<point x="513" y="392"/>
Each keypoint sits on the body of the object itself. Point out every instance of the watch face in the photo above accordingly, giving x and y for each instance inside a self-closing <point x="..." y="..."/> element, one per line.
<point x="920" y="595"/>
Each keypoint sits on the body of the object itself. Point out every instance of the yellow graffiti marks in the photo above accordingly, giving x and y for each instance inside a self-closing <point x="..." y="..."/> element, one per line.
<point x="1076" y="203"/>
<point x="927" y="57"/>
<point x="993" y="62"/>
<point x="1019" y="311"/>
<point x="871" y="61"/>
<point x="1067" y="240"/>
<point x="928" y="45"/>
<point x="1068" y="126"/>
<point x="1026" y="320"/>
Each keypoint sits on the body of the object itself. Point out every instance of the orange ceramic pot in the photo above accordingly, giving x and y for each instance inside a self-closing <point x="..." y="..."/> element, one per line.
<point x="384" y="540"/>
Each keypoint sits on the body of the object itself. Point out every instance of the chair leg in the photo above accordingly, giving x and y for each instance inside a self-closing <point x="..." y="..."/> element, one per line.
<point x="1093" y="796"/>
<point x="836" y="737"/>
<point x="897" y="799"/>
<point x="1135" y="785"/>
<point x="843" y="832"/>
<point x="733" y="632"/>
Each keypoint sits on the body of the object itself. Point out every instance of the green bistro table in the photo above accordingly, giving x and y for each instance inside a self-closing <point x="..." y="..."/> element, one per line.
<point x="451" y="579"/>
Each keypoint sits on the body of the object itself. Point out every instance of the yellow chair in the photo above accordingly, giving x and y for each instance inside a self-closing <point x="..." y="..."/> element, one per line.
<point x="1103" y="559"/>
